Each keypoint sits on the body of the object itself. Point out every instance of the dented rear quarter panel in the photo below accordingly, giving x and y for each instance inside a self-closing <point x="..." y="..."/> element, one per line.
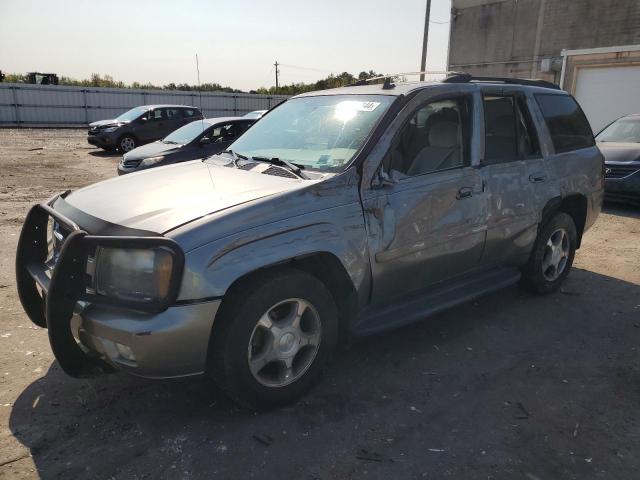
<point x="577" y="172"/>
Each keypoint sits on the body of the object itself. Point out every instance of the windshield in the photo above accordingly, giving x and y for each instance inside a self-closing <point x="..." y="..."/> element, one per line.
<point x="322" y="132"/>
<point x="131" y="114"/>
<point x="186" y="134"/>
<point x="623" y="130"/>
<point x="256" y="114"/>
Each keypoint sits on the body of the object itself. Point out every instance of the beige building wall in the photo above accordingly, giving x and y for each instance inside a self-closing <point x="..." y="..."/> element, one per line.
<point x="524" y="38"/>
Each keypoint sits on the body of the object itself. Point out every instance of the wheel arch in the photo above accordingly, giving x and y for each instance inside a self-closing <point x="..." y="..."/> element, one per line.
<point x="323" y="265"/>
<point x="574" y="205"/>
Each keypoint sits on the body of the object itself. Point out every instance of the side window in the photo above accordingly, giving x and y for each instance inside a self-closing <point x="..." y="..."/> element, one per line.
<point x="500" y="133"/>
<point x="568" y="127"/>
<point x="229" y="132"/>
<point x="436" y="137"/>
<point x="222" y="133"/>
<point x="508" y="128"/>
<point x="173" y="113"/>
<point x="528" y="144"/>
<point x="188" y="112"/>
<point x="157" y="114"/>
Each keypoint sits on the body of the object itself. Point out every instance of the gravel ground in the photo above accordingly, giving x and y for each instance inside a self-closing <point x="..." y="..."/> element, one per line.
<point x="509" y="386"/>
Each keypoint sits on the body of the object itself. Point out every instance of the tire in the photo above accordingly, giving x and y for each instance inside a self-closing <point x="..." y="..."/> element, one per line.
<point x="126" y="143"/>
<point x="552" y="255"/>
<point x="240" y="338"/>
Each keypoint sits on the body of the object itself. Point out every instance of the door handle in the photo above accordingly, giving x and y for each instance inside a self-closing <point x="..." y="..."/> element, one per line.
<point x="537" y="178"/>
<point x="464" y="192"/>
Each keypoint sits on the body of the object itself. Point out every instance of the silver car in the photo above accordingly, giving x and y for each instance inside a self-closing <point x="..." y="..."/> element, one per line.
<point x="341" y="212"/>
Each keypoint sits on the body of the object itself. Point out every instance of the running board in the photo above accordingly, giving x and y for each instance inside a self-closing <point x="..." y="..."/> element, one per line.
<point x="433" y="300"/>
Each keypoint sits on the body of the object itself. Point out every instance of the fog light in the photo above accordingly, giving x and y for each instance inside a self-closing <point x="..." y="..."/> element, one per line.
<point x="125" y="352"/>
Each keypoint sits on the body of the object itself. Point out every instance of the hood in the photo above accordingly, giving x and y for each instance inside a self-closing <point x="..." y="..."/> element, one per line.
<point x="151" y="150"/>
<point x="104" y="123"/>
<point x="160" y="199"/>
<point x="619" y="152"/>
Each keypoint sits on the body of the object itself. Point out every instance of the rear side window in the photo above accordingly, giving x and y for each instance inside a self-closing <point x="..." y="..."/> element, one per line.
<point x="566" y="122"/>
<point x="188" y="112"/>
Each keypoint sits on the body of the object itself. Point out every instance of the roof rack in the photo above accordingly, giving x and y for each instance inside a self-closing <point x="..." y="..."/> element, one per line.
<point x="460" y="77"/>
<point x="456" y="77"/>
<point x="388" y="79"/>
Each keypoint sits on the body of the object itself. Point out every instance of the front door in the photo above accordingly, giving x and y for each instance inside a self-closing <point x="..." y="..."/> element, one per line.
<point x="427" y="222"/>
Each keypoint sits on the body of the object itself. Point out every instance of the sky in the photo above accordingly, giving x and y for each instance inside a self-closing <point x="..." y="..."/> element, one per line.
<point x="237" y="41"/>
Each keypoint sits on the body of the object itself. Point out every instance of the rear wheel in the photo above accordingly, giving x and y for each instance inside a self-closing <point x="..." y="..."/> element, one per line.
<point x="552" y="255"/>
<point x="272" y="338"/>
<point x="126" y="143"/>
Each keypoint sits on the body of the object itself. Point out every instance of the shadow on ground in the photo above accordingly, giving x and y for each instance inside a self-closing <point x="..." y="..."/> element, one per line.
<point x="621" y="209"/>
<point x="509" y="386"/>
<point x="105" y="153"/>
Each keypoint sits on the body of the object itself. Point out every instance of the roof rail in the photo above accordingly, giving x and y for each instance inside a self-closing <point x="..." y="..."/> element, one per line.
<point x="467" y="78"/>
<point x="388" y="79"/>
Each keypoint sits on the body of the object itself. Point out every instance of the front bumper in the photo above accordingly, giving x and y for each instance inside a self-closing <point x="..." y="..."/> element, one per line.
<point x="173" y="343"/>
<point x="102" y="140"/>
<point x="625" y="188"/>
<point x="91" y="333"/>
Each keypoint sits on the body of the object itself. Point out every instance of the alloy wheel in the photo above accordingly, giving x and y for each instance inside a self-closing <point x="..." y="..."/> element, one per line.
<point x="556" y="255"/>
<point x="284" y="342"/>
<point x="127" y="144"/>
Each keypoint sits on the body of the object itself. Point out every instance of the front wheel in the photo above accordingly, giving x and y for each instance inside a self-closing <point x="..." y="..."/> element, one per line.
<point x="126" y="143"/>
<point x="272" y="338"/>
<point x="552" y="255"/>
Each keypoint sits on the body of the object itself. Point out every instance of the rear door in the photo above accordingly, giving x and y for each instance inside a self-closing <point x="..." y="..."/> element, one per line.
<point x="427" y="224"/>
<point x="514" y="175"/>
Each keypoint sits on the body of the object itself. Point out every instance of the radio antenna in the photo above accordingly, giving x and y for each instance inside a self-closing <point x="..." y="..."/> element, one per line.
<point x="200" y="93"/>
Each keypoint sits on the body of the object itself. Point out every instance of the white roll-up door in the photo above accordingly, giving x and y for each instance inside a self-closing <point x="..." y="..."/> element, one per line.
<point x="607" y="93"/>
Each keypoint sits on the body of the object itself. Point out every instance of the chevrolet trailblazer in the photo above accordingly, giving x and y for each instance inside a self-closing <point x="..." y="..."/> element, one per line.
<point x="341" y="212"/>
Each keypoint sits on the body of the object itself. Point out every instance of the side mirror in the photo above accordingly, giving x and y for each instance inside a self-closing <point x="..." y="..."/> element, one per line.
<point x="204" y="141"/>
<point x="382" y="179"/>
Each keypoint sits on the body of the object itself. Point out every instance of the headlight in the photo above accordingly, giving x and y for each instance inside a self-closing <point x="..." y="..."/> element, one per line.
<point x="109" y="129"/>
<point x="152" y="160"/>
<point x="136" y="274"/>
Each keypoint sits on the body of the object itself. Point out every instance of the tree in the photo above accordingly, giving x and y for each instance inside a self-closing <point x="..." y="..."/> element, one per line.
<point x="98" y="80"/>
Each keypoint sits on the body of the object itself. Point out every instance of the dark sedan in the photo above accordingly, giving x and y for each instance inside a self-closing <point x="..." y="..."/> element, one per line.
<point x="140" y="125"/>
<point x="198" y="139"/>
<point x="620" y="145"/>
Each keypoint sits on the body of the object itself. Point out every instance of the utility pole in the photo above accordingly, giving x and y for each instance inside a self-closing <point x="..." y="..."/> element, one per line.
<point x="425" y="40"/>
<point x="277" y="72"/>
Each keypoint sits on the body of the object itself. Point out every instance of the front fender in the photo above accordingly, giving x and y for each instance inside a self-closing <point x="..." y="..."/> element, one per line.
<point x="212" y="268"/>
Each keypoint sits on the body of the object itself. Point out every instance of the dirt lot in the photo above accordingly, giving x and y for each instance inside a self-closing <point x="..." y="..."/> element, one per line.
<point x="510" y="386"/>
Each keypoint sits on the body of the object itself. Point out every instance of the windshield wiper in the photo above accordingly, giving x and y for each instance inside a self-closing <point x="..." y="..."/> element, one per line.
<point x="236" y="157"/>
<point x="278" y="162"/>
<point x="171" y="141"/>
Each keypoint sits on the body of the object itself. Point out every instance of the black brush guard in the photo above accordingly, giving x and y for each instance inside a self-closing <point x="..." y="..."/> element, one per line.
<point x="53" y="308"/>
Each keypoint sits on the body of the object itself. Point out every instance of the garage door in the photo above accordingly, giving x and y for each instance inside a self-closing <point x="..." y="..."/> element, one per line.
<point x="606" y="93"/>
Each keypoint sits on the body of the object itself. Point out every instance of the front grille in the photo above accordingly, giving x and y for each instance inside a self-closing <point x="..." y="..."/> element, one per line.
<point x="620" y="171"/>
<point x="280" y="172"/>
<point x="131" y="163"/>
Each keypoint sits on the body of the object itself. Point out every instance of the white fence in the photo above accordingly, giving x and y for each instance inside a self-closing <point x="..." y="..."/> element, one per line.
<point x="25" y="105"/>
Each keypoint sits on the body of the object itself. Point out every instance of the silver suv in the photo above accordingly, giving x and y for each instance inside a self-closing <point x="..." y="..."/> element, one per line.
<point x="341" y="212"/>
